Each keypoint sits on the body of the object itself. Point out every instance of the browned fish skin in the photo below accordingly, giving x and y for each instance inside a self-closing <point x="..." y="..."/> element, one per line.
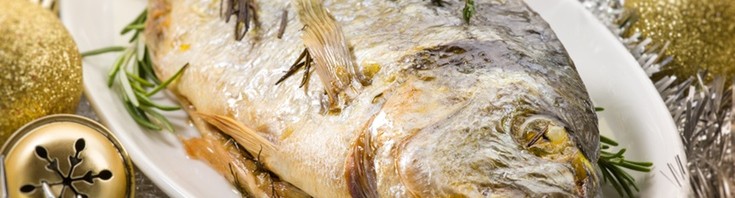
<point x="452" y="111"/>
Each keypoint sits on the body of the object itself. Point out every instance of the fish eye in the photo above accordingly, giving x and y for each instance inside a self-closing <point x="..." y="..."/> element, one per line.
<point x="545" y="137"/>
<point x="548" y="138"/>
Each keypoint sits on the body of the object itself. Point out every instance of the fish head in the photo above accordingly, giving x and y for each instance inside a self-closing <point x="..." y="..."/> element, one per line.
<point x="481" y="119"/>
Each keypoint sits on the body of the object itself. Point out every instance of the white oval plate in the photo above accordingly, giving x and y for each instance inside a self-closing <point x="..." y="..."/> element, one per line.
<point x="635" y="114"/>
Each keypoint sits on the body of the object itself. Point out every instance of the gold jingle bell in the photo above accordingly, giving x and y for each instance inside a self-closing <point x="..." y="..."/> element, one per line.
<point x="66" y="156"/>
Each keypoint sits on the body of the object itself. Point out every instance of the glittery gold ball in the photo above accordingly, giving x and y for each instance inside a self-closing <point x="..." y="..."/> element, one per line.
<point x="701" y="32"/>
<point x="40" y="66"/>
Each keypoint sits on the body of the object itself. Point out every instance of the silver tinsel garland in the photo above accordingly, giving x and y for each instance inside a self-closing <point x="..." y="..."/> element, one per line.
<point x="701" y="110"/>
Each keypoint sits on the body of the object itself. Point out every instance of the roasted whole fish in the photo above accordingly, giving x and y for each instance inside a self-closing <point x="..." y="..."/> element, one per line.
<point x="406" y="98"/>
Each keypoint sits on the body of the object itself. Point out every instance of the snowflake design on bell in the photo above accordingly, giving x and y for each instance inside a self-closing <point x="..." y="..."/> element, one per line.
<point x="66" y="179"/>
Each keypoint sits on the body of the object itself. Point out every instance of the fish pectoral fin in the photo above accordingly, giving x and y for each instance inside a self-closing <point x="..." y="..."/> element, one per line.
<point x="360" y="167"/>
<point x="247" y="137"/>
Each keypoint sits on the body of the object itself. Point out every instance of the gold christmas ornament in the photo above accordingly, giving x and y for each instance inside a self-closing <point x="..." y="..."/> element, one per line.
<point x="701" y="32"/>
<point x="40" y="66"/>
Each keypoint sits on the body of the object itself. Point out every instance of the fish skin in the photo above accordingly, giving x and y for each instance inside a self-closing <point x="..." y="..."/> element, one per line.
<point x="444" y="116"/>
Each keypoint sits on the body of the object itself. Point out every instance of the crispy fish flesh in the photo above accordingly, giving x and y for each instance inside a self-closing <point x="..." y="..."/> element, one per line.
<point x="406" y="99"/>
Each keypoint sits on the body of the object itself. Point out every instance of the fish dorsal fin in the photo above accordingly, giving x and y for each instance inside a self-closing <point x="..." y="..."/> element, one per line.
<point x="326" y="43"/>
<point x="245" y="136"/>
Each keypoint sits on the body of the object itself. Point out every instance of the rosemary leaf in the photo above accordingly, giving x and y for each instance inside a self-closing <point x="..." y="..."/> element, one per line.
<point x="133" y="27"/>
<point x="140" y="55"/>
<point x="142" y="81"/>
<point x="612" y="178"/>
<point x="148" y="66"/>
<point x="619" y="154"/>
<point x="621" y="177"/>
<point x="115" y="68"/>
<point x="168" y="81"/>
<point x="127" y="88"/>
<point x="625" y="176"/>
<point x="158" y="117"/>
<point x="644" y="164"/>
<point x="137" y="88"/>
<point x="139" y="21"/>
<point x="468" y="11"/>
<point x="148" y="102"/>
<point x="613" y="165"/>
<point x="138" y="117"/>
<point x="135" y="36"/>
<point x="633" y="167"/>
<point x="103" y="50"/>
<point x="607" y="140"/>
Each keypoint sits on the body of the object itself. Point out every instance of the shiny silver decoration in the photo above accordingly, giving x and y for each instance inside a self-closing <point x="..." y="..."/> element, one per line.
<point x="702" y="109"/>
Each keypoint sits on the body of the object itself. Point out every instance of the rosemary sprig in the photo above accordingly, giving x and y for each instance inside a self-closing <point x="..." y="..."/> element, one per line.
<point x="612" y="165"/>
<point x="132" y="72"/>
<point x="303" y="61"/>
<point x="245" y="13"/>
<point x="468" y="11"/>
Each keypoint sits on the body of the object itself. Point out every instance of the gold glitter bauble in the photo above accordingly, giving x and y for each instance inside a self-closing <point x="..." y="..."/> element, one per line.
<point x="40" y="66"/>
<point x="701" y="32"/>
